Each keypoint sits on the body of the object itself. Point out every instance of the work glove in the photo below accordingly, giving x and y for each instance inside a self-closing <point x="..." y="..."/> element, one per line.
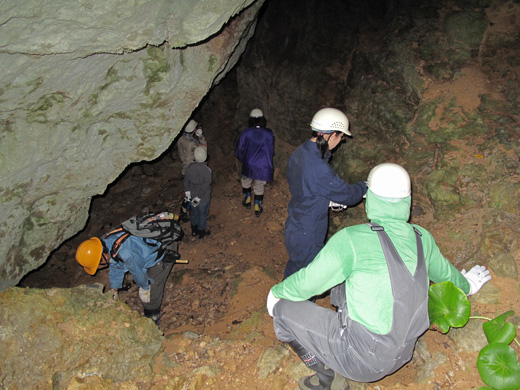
<point x="198" y="132"/>
<point x="144" y="295"/>
<point x="271" y="301"/>
<point x="114" y="293"/>
<point x="336" y="206"/>
<point x="476" y="277"/>
<point x="187" y="196"/>
<point x="195" y="202"/>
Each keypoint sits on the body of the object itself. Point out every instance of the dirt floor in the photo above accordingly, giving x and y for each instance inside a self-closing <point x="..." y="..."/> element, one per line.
<point x="219" y="297"/>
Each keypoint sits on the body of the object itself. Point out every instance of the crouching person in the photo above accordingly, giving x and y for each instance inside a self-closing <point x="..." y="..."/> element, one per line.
<point x="148" y="261"/>
<point x="379" y="274"/>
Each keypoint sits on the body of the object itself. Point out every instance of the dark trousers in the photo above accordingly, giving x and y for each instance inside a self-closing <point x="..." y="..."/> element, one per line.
<point x="159" y="274"/>
<point x="199" y="215"/>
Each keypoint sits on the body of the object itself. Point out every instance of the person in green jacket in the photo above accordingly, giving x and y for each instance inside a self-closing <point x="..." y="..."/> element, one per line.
<point x="379" y="274"/>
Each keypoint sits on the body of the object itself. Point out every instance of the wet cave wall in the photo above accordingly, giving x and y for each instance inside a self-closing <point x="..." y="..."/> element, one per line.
<point x="432" y="86"/>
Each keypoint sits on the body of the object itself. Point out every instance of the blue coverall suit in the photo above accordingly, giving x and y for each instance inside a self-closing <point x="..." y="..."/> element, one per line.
<point x="313" y="185"/>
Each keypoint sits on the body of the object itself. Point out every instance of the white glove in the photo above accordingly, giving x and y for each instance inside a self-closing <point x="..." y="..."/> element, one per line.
<point x="144" y="295"/>
<point x="198" y="132"/>
<point x="337" y="207"/>
<point x="476" y="277"/>
<point x="271" y="301"/>
<point x="195" y="202"/>
<point x="187" y="196"/>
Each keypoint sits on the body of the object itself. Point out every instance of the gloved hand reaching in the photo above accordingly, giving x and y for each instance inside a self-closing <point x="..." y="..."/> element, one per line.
<point x="187" y="196"/>
<point x="198" y="132"/>
<point x="144" y="295"/>
<point x="195" y="202"/>
<point x="271" y="301"/>
<point x="476" y="277"/>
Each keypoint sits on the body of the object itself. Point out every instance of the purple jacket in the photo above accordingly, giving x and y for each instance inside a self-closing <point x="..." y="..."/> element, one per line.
<point x="255" y="151"/>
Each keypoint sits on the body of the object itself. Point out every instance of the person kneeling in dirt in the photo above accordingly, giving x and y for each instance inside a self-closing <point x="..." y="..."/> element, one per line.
<point x="197" y="187"/>
<point x="148" y="260"/>
<point x="379" y="274"/>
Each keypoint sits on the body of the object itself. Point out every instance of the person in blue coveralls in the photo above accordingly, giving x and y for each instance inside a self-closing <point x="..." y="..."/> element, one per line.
<point x="315" y="187"/>
<point x="255" y="150"/>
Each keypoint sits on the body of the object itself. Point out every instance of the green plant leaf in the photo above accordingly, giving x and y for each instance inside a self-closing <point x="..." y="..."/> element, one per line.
<point x="499" y="330"/>
<point x="448" y="306"/>
<point x="498" y="366"/>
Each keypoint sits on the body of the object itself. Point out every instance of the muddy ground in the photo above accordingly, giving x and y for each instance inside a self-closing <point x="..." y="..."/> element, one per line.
<point x="214" y="317"/>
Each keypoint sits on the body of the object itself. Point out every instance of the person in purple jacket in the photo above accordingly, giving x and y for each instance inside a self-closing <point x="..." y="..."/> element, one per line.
<point x="255" y="150"/>
<point x="315" y="187"/>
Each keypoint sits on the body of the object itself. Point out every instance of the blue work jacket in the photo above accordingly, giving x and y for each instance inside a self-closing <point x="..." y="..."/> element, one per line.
<point x="313" y="185"/>
<point x="255" y="150"/>
<point x="138" y="254"/>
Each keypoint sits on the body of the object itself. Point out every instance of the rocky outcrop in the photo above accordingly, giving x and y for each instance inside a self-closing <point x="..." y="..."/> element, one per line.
<point x="87" y="89"/>
<point x="51" y="336"/>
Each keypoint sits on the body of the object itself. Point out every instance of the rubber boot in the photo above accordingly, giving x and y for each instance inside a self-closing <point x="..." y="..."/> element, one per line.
<point x="194" y="230"/>
<point x="203" y="233"/>
<point x="310" y="382"/>
<point x="323" y="378"/>
<point x="155" y="315"/>
<point x="246" y="197"/>
<point x="258" y="205"/>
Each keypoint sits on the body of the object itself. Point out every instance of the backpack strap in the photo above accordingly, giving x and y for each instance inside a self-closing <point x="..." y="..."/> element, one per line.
<point x="116" y="246"/>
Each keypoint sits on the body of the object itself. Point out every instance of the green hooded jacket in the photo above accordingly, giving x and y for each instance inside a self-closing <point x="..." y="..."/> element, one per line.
<point x="354" y="255"/>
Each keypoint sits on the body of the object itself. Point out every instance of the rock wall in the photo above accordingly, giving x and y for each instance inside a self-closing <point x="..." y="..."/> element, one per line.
<point x="436" y="90"/>
<point x="85" y="90"/>
<point x="431" y="85"/>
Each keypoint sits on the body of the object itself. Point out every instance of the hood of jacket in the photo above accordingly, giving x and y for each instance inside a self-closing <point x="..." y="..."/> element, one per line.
<point x="382" y="210"/>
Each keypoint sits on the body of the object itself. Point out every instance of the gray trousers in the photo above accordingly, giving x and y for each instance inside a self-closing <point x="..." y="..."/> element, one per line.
<point x="159" y="274"/>
<point x="345" y="345"/>
<point x="258" y="185"/>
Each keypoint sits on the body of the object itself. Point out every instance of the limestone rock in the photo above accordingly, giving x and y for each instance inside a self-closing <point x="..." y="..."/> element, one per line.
<point x="87" y="89"/>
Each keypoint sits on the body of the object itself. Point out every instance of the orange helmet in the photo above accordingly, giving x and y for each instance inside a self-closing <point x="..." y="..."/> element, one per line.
<point x="89" y="254"/>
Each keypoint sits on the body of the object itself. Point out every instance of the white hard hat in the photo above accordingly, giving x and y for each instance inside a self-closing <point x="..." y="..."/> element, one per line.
<point x="200" y="153"/>
<point x="389" y="180"/>
<point x="330" y="119"/>
<point x="192" y="124"/>
<point x="256" y="113"/>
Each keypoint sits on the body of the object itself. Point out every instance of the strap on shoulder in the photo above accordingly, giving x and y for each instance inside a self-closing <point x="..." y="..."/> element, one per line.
<point x="376" y="227"/>
<point x="116" y="246"/>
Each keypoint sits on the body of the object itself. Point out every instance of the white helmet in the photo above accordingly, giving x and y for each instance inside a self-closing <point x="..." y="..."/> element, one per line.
<point x="256" y="113"/>
<point x="192" y="124"/>
<point x="389" y="180"/>
<point x="200" y="153"/>
<point x="329" y="120"/>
